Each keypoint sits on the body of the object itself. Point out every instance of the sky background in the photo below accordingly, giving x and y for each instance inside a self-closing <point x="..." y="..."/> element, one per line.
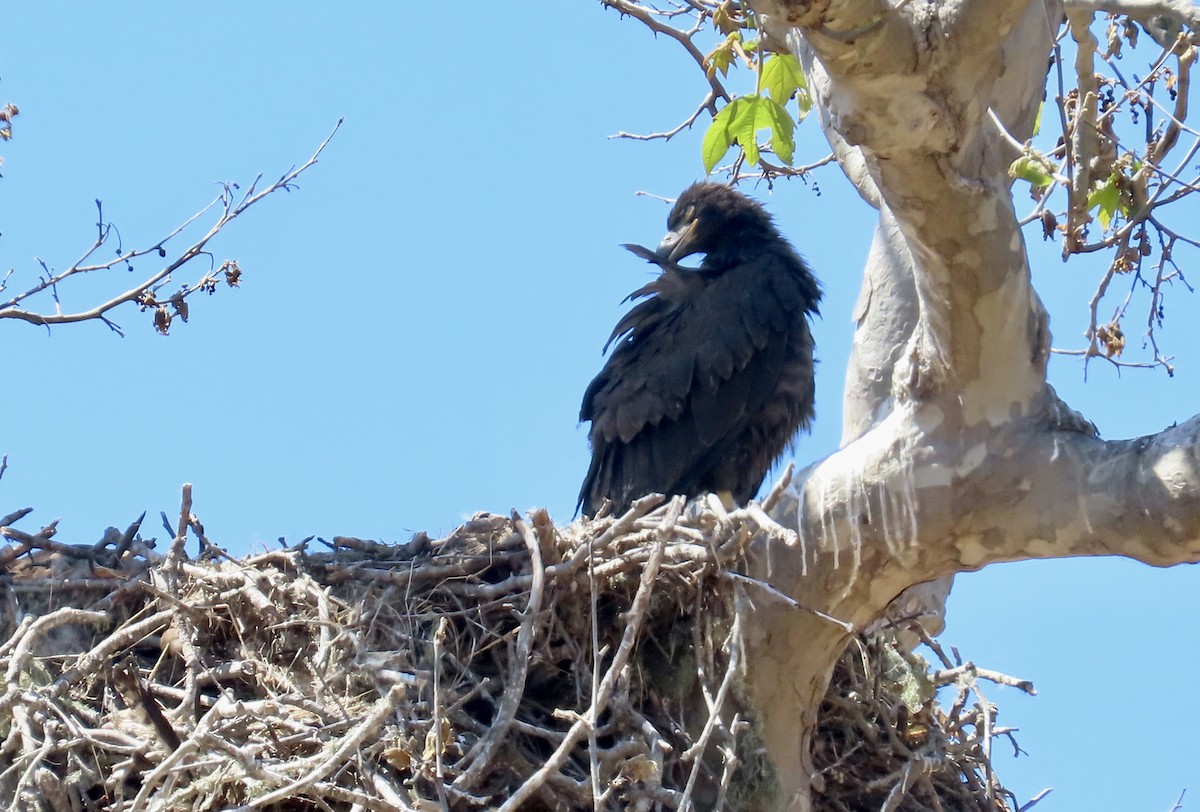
<point x="417" y="322"/>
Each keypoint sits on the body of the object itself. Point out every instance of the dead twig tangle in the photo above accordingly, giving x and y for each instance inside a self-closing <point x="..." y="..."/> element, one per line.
<point x="513" y="664"/>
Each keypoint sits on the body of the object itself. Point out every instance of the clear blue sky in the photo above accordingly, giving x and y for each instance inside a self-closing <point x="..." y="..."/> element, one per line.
<point x="417" y="323"/>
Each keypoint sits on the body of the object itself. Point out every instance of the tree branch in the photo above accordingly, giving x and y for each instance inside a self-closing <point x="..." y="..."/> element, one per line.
<point x="1162" y="18"/>
<point x="230" y="208"/>
<point x="645" y="15"/>
<point x="1054" y="493"/>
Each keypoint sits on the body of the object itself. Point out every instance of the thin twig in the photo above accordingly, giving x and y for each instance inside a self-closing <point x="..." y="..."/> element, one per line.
<point x="230" y="211"/>
<point x="177" y="554"/>
<point x="636" y="616"/>
<point x="696" y="751"/>
<point x="335" y="759"/>
<point x="480" y="756"/>
<point x="790" y="601"/>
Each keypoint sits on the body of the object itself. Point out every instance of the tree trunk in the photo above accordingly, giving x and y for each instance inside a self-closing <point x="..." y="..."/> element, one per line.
<point x="956" y="452"/>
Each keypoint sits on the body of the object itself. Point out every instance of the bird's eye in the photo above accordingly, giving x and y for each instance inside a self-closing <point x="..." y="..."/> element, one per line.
<point x="689" y="214"/>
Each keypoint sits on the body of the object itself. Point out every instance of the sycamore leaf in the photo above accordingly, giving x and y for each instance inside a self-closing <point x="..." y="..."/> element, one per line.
<point x="717" y="138"/>
<point x="746" y="123"/>
<point x="782" y="77"/>
<point x="1110" y="199"/>
<point x="761" y="113"/>
<point x="740" y="121"/>
<point x="724" y="19"/>
<point x="1032" y="168"/>
<point x="804" y="102"/>
<point x="783" y="129"/>
<point x="721" y="57"/>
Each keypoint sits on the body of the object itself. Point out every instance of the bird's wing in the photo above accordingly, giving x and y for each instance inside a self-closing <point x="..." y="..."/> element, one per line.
<point x="691" y="362"/>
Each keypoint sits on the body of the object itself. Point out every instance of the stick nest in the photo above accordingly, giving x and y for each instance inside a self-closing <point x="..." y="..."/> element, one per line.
<point x="500" y="667"/>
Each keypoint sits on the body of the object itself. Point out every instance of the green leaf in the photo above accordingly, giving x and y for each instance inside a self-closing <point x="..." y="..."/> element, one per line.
<point x="761" y="113"/>
<point x="748" y="119"/>
<point x="782" y="77"/>
<point x="1108" y="197"/>
<point x="1032" y="168"/>
<point x="783" y="129"/>
<point x="804" y="102"/>
<point x="1037" y="121"/>
<point x="717" y="138"/>
<point x="740" y="121"/>
<point x="721" y="57"/>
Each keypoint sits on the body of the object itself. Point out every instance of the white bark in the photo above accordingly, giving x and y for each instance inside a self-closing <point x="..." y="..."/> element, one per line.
<point x="956" y="453"/>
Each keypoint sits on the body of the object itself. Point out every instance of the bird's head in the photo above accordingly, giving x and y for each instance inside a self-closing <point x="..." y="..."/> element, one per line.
<point x="710" y="217"/>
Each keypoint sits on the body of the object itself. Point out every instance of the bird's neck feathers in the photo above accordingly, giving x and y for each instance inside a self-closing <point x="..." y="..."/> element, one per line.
<point x="676" y="283"/>
<point x="741" y="245"/>
<point x="763" y="249"/>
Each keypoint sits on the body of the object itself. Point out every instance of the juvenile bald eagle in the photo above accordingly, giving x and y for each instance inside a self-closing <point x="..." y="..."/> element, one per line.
<point x="711" y="374"/>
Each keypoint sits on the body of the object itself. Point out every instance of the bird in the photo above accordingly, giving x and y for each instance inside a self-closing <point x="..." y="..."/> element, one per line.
<point x="711" y="371"/>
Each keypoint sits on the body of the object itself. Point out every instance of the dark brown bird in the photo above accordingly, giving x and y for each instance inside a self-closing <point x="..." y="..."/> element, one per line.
<point x="711" y="372"/>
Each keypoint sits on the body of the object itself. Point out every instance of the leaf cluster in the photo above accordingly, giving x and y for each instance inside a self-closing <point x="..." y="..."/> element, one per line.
<point x="721" y="36"/>
<point x="780" y="79"/>
<point x="1118" y="153"/>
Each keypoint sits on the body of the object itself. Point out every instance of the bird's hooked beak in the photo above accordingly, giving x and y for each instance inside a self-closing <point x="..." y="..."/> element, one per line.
<point x="678" y="243"/>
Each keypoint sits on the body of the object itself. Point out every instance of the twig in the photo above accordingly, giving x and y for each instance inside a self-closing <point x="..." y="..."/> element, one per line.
<point x="622" y="525"/>
<point x="59" y="617"/>
<point x="597" y="656"/>
<point x="176" y="555"/>
<point x="15" y="516"/>
<point x="707" y="104"/>
<point x="230" y="211"/>
<point x="125" y="637"/>
<point x="947" y="676"/>
<point x="790" y="601"/>
<point x="334" y="760"/>
<point x="1032" y="802"/>
<point x="717" y="90"/>
<point x="637" y="615"/>
<point x="696" y="751"/>
<point x="772" y="528"/>
<point x="779" y="488"/>
<point x="480" y="755"/>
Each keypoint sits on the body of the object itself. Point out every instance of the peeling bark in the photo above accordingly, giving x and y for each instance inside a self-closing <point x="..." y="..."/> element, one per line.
<point x="956" y="453"/>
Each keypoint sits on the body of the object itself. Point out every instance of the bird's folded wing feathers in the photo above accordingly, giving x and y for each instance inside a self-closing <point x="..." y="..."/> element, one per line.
<point x="687" y="351"/>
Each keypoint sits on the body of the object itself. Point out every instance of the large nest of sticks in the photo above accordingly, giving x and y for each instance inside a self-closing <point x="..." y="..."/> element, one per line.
<point x="511" y="664"/>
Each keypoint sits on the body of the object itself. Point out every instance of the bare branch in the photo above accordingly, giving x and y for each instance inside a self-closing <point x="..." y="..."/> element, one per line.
<point x="708" y="104"/>
<point x="1163" y="16"/>
<point x="684" y="38"/>
<point x="143" y="293"/>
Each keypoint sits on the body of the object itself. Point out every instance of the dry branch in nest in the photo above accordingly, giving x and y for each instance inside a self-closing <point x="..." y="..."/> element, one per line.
<point x="511" y="664"/>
